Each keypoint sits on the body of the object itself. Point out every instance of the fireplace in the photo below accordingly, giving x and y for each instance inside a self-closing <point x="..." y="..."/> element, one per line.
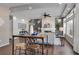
<point x="46" y="30"/>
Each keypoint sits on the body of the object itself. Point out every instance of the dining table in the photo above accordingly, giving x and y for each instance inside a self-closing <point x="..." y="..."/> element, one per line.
<point x="27" y="36"/>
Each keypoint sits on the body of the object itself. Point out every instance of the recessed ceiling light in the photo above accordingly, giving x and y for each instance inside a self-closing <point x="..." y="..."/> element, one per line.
<point x="59" y="20"/>
<point x="59" y="3"/>
<point x="68" y="9"/>
<point x="23" y="20"/>
<point x="30" y="8"/>
<point x="14" y="18"/>
<point x="71" y="21"/>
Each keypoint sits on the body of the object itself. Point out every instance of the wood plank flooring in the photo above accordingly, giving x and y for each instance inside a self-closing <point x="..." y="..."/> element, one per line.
<point x="51" y="50"/>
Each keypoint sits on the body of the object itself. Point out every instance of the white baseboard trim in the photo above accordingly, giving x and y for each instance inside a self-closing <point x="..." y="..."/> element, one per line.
<point x="4" y="44"/>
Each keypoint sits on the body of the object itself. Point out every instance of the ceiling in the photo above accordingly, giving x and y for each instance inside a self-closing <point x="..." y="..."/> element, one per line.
<point x="67" y="9"/>
<point x="35" y="6"/>
<point x="38" y="9"/>
<point x="21" y="10"/>
<point x="9" y="5"/>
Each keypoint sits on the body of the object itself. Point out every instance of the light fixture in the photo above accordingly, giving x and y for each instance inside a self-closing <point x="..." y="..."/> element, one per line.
<point x="71" y="21"/>
<point x="64" y="19"/>
<point x="1" y="22"/>
<point x="61" y="29"/>
<point x="30" y="7"/>
<point x="14" y="18"/>
<point x="59" y="20"/>
<point x="46" y="15"/>
<point x="59" y="3"/>
<point x="23" y="20"/>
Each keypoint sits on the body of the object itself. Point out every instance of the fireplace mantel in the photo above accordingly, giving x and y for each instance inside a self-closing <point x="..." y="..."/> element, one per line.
<point x="48" y="29"/>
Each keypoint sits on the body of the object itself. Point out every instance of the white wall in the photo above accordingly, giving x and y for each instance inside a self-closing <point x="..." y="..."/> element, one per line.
<point x="76" y="29"/>
<point x="4" y="29"/>
<point x="15" y="26"/>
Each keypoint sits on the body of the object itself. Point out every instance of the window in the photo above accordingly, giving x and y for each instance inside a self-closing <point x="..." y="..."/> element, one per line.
<point x="64" y="25"/>
<point x="70" y="28"/>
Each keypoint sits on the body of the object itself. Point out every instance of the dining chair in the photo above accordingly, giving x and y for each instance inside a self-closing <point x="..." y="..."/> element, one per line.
<point x="27" y="45"/>
<point x="32" y="47"/>
<point x="21" y="45"/>
<point x="39" y="42"/>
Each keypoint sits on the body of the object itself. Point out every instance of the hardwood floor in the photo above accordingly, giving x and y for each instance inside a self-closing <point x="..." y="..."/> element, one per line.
<point x="51" y="50"/>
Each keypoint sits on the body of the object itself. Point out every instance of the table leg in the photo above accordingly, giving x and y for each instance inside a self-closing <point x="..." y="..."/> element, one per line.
<point x="47" y="45"/>
<point x="62" y="44"/>
<point x="12" y="45"/>
<point x="42" y="46"/>
<point x="25" y="46"/>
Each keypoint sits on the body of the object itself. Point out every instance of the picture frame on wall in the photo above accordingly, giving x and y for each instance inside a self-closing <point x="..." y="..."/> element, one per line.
<point x="21" y="26"/>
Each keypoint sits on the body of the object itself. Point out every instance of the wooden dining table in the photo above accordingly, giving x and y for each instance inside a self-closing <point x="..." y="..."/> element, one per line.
<point x="29" y="36"/>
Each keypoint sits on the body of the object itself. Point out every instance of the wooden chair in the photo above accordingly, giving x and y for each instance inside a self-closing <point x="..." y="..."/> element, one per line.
<point x="32" y="47"/>
<point x="21" y="45"/>
<point x="39" y="42"/>
<point x="27" y="45"/>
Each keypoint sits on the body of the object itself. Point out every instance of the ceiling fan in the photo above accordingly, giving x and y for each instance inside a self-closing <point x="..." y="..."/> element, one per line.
<point x="46" y="15"/>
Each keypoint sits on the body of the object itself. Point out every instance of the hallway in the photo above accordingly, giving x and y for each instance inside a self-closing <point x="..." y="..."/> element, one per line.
<point x="52" y="50"/>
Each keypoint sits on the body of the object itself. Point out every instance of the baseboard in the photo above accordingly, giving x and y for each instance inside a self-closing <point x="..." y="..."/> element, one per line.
<point x="4" y="45"/>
